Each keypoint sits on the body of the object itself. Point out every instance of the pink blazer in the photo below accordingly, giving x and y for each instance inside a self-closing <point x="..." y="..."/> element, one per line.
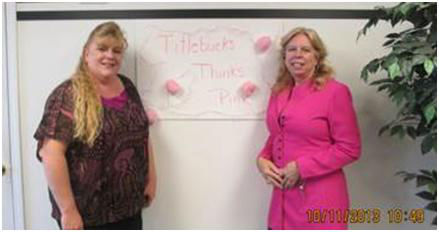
<point x="318" y="129"/>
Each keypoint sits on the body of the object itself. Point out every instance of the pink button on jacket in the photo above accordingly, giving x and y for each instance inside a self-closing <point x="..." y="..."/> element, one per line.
<point x="318" y="129"/>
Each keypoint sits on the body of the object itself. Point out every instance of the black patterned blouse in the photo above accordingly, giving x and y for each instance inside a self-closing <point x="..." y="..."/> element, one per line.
<point x="108" y="178"/>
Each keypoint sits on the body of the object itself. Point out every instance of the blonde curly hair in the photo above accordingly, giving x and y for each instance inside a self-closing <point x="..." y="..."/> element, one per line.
<point x="323" y="70"/>
<point x="87" y="106"/>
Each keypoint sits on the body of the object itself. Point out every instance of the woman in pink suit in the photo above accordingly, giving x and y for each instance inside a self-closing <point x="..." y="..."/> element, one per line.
<point x="313" y="134"/>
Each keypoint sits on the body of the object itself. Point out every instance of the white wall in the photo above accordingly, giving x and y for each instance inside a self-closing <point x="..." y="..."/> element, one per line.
<point x="207" y="177"/>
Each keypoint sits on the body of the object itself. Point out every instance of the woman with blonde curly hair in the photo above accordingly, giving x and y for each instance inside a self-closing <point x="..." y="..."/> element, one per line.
<point x="313" y="135"/>
<point x="93" y="141"/>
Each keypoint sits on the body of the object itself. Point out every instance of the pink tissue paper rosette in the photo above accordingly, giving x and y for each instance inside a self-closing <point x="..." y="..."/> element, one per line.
<point x="172" y="87"/>
<point x="263" y="44"/>
<point x="248" y="88"/>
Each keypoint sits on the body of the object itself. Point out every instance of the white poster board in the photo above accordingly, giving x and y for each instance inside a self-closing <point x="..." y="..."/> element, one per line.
<point x="200" y="70"/>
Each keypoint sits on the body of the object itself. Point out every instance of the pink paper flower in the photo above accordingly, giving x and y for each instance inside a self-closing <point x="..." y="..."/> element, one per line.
<point x="152" y="116"/>
<point x="248" y="88"/>
<point x="263" y="44"/>
<point x="172" y="87"/>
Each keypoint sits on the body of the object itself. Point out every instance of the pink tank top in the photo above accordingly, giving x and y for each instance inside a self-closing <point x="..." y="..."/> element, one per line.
<point x="116" y="102"/>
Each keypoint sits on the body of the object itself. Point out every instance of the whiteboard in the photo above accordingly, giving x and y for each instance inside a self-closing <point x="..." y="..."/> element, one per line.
<point x="211" y="62"/>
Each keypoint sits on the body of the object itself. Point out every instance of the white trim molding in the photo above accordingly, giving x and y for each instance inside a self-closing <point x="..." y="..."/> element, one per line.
<point x="14" y="115"/>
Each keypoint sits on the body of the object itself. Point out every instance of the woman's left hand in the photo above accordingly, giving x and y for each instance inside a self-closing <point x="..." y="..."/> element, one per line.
<point x="291" y="175"/>
<point x="149" y="192"/>
<point x="151" y="184"/>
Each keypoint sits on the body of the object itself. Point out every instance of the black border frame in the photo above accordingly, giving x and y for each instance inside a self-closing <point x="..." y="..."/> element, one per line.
<point x="198" y="14"/>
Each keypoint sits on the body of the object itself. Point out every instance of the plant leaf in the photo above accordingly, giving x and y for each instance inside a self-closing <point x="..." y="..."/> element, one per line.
<point x="377" y="82"/>
<point x="374" y="65"/>
<point x="406" y="175"/>
<point x="430" y="111"/>
<point x="423" y="180"/>
<point x="384" y="86"/>
<point x="419" y="59"/>
<point x="424" y="50"/>
<point x="395" y="130"/>
<point x="389" y="60"/>
<point x="425" y="172"/>
<point x="428" y="66"/>
<point x="383" y="129"/>
<point x="411" y="131"/>
<point x="405" y="8"/>
<point x="432" y="206"/>
<point x="427" y="144"/>
<point x="372" y="22"/>
<point x="364" y="74"/>
<point x="392" y="35"/>
<point x="406" y="66"/>
<point x="398" y="95"/>
<point x="432" y="187"/>
<point x="388" y="42"/>
<point x="425" y="195"/>
<point x="435" y="147"/>
<point x="394" y="70"/>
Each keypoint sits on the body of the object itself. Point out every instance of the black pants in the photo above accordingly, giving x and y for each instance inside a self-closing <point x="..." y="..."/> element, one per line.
<point x="132" y="223"/>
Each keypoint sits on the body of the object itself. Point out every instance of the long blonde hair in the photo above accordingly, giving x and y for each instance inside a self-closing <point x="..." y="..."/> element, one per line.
<point x="323" y="71"/>
<point x="87" y="106"/>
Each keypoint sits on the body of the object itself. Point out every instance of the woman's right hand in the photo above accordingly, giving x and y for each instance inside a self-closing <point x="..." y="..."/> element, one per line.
<point x="270" y="172"/>
<point x="71" y="220"/>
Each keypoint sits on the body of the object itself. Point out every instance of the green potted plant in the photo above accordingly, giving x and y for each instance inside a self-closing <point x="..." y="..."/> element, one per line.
<point x="411" y="68"/>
